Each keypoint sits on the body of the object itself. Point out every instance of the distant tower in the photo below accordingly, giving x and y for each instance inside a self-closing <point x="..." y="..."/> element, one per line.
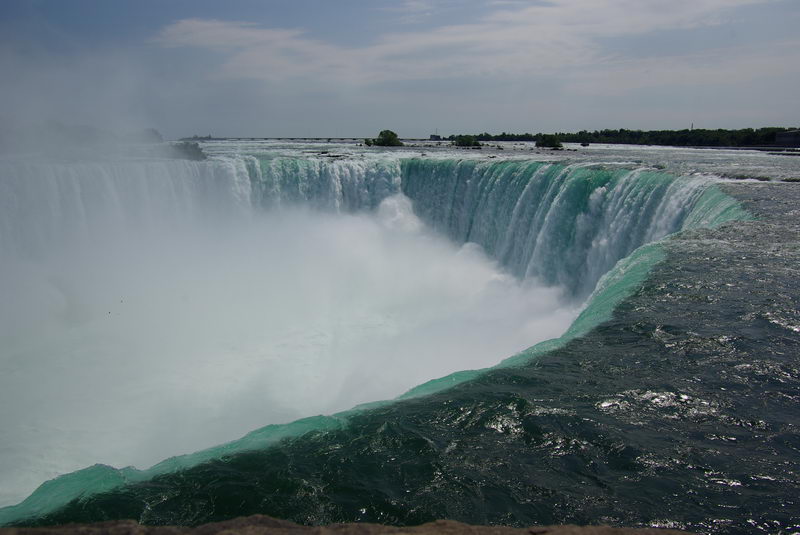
<point x="692" y="127"/>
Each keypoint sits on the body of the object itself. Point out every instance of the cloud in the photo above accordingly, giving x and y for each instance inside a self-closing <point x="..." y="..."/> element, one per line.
<point x="221" y="34"/>
<point x="515" y="40"/>
<point x="594" y="18"/>
<point x="257" y="53"/>
<point x="726" y="67"/>
<point x="412" y="11"/>
<point x="505" y="65"/>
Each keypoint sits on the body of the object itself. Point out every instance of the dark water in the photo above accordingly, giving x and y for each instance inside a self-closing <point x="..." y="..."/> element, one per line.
<point x="682" y="411"/>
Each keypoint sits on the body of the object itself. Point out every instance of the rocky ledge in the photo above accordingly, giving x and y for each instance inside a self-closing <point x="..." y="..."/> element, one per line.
<point x="265" y="525"/>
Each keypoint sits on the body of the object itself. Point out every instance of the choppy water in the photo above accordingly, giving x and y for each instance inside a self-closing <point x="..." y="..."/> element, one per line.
<point x="679" y="409"/>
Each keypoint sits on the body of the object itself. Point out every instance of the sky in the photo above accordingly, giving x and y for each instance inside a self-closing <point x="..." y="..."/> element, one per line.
<point x="342" y="68"/>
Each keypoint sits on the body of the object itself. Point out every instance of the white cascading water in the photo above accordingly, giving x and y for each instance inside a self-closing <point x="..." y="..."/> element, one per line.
<point x="563" y="225"/>
<point x="152" y="308"/>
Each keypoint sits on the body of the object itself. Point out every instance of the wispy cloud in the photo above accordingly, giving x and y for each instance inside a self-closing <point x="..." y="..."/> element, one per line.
<point x="412" y="11"/>
<point x="726" y="67"/>
<point x="516" y="39"/>
<point x="501" y="64"/>
<point x="221" y="34"/>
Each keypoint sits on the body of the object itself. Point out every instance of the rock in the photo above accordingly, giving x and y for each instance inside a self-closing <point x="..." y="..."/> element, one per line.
<point x="265" y="525"/>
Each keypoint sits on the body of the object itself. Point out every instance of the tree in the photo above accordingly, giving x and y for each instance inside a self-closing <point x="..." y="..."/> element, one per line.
<point x="386" y="138"/>
<point x="548" y="140"/>
<point x="466" y="141"/>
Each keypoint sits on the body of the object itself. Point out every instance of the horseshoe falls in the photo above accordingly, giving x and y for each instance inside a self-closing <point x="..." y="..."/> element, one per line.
<point x="328" y="333"/>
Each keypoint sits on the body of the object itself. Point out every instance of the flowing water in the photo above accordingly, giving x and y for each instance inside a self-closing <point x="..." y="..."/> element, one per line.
<point x="154" y="308"/>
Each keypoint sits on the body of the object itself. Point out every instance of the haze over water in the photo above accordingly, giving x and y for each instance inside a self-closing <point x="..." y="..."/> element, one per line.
<point x="187" y="319"/>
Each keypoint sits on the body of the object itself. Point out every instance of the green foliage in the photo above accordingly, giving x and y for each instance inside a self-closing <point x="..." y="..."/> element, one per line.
<point x="386" y="138"/>
<point x="699" y="137"/>
<point x="486" y="136"/>
<point x="466" y="141"/>
<point x="745" y="137"/>
<point x="548" y="141"/>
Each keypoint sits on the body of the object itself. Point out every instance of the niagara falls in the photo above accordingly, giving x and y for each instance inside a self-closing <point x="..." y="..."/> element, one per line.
<point x="269" y="266"/>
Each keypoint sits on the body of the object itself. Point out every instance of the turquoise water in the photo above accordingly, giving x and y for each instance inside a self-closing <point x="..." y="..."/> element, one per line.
<point x="581" y="227"/>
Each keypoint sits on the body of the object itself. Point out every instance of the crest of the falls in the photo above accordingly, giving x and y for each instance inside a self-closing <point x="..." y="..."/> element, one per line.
<point x="564" y="225"/>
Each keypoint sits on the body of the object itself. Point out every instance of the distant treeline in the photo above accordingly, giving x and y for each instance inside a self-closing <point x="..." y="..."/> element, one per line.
<point x="499" y="137"/>
<point x="699" y="137"/>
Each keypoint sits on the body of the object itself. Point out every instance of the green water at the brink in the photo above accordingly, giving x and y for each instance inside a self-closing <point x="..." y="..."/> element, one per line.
<point x="503" y="206"/>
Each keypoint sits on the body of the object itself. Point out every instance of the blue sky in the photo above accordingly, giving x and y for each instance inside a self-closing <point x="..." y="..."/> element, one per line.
<point x="352" y="68"/>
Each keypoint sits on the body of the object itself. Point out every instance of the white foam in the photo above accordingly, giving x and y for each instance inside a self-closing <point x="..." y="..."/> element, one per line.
<point x="162" y="316"/>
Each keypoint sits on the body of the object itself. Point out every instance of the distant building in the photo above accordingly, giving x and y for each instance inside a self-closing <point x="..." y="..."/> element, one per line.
<point x="436" y="137"/>
<point x="788" y="139"/>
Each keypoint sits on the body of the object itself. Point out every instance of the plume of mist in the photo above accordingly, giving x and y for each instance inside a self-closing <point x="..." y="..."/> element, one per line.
<point x="145" y="320"/>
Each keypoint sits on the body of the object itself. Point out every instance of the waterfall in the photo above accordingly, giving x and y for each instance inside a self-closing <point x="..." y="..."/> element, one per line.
<point x="564" y="225"/>
<point x="68" y="228"/>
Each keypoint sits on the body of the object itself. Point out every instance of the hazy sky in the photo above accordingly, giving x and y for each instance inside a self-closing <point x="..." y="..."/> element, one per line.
<point x="352" y="67"/>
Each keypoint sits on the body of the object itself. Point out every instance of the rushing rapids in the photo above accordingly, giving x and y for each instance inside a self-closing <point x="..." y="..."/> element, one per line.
<point x="568" y="436"/>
